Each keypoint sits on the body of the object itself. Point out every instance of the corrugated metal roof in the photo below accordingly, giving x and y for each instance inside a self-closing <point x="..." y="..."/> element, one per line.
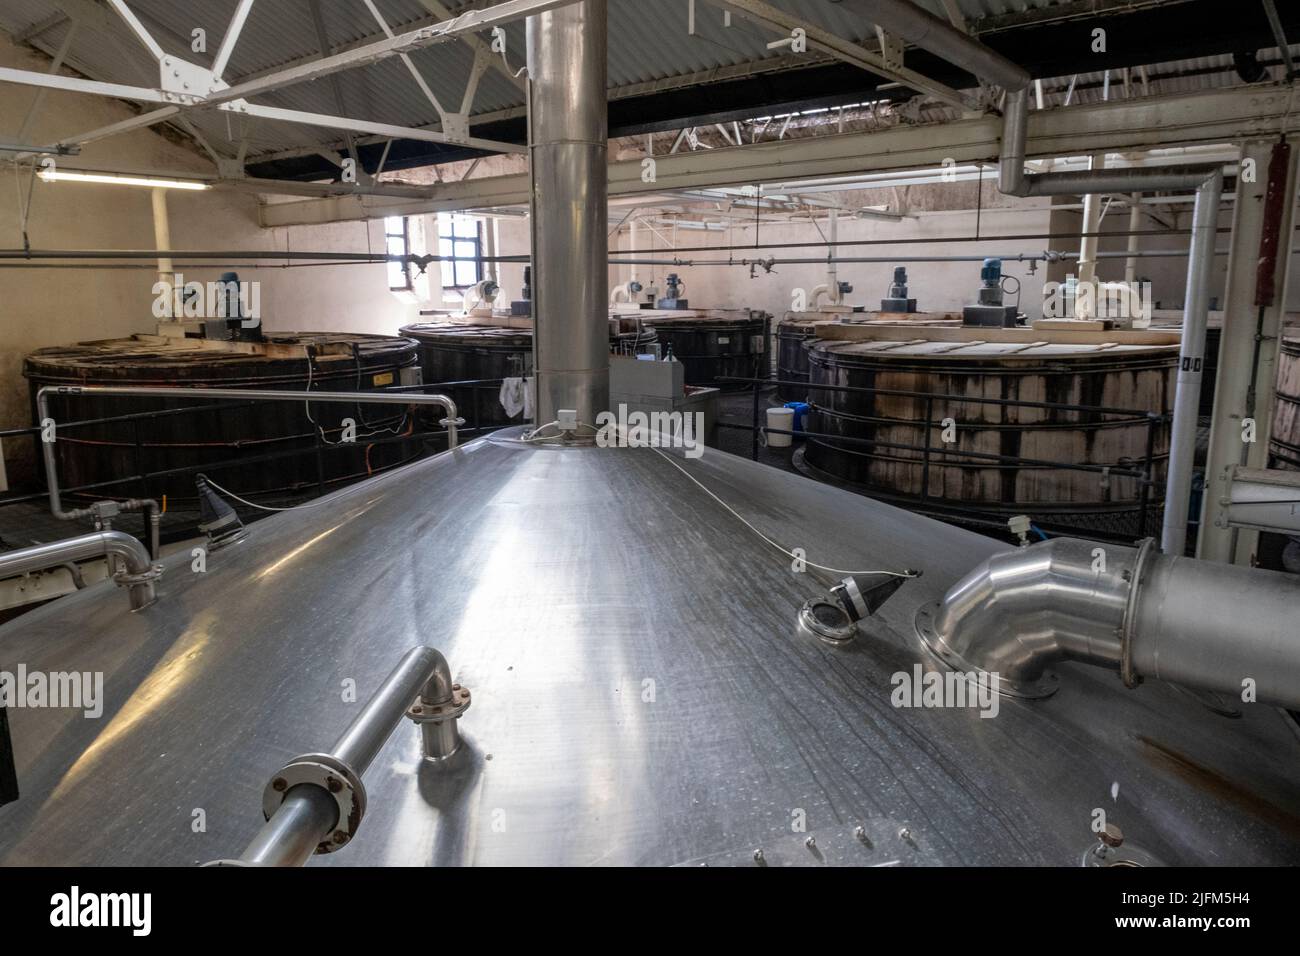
<point x="648" y="43"/>
<point x="1175" y="76"/>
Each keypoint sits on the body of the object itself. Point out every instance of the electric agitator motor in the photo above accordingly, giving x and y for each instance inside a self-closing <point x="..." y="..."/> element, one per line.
<point x="233" y="323"/>
<point x="989" y="310"/>
<point x="673" y="287"/>
<point x="897" y="300"/>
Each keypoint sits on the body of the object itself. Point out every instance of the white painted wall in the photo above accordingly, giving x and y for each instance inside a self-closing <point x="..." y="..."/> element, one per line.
<point x="1167" y="275"/>
<point x="937" y="286"/>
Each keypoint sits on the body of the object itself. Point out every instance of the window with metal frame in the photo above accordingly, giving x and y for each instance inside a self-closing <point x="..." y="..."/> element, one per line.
<point x="397" y="242"/>
<point x="461" y="237"/>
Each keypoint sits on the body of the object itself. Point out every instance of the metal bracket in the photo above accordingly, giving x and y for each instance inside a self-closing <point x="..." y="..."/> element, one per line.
<point x="891" y="49"/>
<point x="455" y="126"/>
<point x="230" y="168"/>
<point x="185" y="78"/>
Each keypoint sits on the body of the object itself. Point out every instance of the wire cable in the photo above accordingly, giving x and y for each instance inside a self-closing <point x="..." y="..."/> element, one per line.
<point x="783" y="550"/>
<point x="533" y="435"/>
<point x="245" y="501"/>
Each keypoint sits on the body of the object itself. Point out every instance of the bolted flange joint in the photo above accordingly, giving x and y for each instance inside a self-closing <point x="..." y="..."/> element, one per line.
<point x="125" y="578"/>
<point x="334" y="777"/>
<point x="437" y="720"/>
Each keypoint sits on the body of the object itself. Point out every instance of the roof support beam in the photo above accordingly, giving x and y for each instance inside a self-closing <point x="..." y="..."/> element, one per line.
<point x="231" y="98"/>
<point x="766" y="15"/>
<point x="123" y="126"/>
<point x="1218" y="116"/>
<point x="498" y="63"/>
<point x="406" y="61"/>
<point x="74" y="84"/>
<point x="470" y="22"/>
<point x="34" y="110"/>
<point x="231" y="38"/>
<point x="275" y="113"/>
<point x="336" y="88"/>
<point x="138" y="28"/>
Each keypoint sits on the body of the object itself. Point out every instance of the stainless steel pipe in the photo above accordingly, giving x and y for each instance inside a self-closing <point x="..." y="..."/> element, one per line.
<point x="152" y="513"/>
<point x="906" y="20"/>
<point x="138" y="577"/>
<point x="309" y="813"/>
<point x="1198" y="623"/>
<point x="1013" y="181"/>
<point x="293" y="833"/>
<point x="1022" y="610"/>
<point x="423" y="673"/>
<point x="567" y="155"/>
<point x="1226" y="628"/>
<point x="1191" y="364"/>
<point x="230" y="394"/>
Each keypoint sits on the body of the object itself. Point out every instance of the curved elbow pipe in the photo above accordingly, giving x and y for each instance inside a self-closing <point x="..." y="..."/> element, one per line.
<point x="1020" y="611"/>
<point x="1013" y="182"/>
<point x="624" y="292"/>
<point x="1197" y="623"/>
<point x="139" y="575"/>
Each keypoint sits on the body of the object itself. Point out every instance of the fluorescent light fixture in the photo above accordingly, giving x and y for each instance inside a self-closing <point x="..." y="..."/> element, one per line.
<point x="59" y="175"/>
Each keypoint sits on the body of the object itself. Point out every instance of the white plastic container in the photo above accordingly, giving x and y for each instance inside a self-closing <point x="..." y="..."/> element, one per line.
<point x="782" y="418"/>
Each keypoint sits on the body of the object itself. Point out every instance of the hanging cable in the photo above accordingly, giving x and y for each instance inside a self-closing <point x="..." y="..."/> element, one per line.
<point x="245" y="501"/>
<point x="783" y="550"/>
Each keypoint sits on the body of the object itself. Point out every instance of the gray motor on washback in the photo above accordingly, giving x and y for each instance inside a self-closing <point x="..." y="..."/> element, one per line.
<point x="989" y="310"/>
<point x="897" y="300"/>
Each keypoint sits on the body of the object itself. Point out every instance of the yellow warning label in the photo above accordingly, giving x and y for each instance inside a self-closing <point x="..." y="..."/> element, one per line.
<point x="385" y="379"/>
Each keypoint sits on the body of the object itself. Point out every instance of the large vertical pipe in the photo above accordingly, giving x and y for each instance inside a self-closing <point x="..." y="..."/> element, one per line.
<point x="632" y="239"/>
<point x="162" y="237"/>
<point x="1087" y="270"/>
<point x="1134" y="221"/>
<point x="1191" y="360"/>
<point x="832" y="275"/>
<point x="567" y="146"/>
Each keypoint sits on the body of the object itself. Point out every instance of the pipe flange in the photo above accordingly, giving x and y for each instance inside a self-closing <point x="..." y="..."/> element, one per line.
<point x="334" y="777"/>
<point x="126" y="578"/>
<point x="451" y="421"/>
<point x="423" y="712"/>
<point x="826" y="620"/>
<point x="1044" y="686"/>
<point x="1130" y="677"/>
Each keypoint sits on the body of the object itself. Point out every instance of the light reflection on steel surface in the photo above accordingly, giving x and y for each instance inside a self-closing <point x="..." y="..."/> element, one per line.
<point x="558" y="582"/>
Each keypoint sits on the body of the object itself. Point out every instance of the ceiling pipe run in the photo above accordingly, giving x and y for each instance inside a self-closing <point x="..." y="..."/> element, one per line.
<point x="943" y="40"/>
<point x="567" y="150"/>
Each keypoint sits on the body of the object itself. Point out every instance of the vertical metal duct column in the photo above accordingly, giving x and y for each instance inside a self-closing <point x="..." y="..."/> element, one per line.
<point x="567" y="146"/>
